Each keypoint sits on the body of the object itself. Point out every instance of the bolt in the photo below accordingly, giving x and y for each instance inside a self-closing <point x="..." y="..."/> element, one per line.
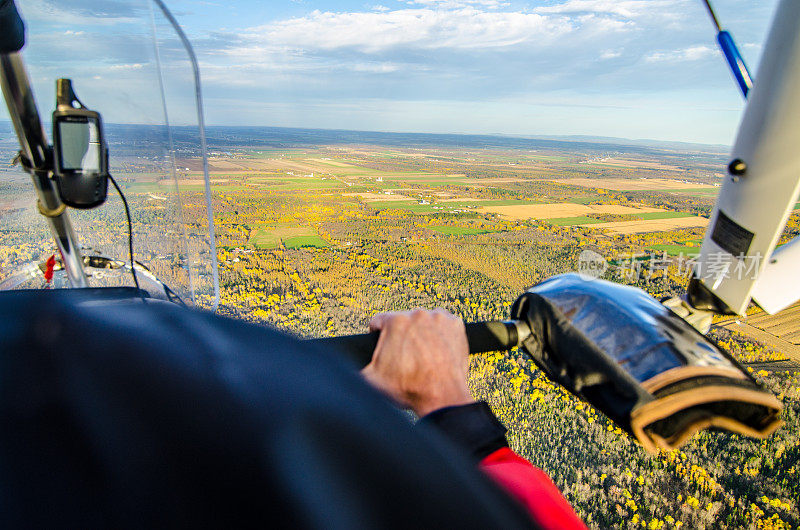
<point x="737" y="167"/>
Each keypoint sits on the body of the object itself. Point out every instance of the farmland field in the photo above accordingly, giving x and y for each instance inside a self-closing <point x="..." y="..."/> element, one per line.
<point x="678" y="249"/>
<point x="654" y="225"/>
<point x="309" y="183"/>
<point x="378" y="197"/>
<point x="572" y="221"/>
<point x="631" y="184"/>
<point x="411" y="206"/>
<point x="270" y="237"/>
<point x="264" y="239"/>
<point x="560" y="210"/>
<point x="304" y="241"/>
<point x="784" y="325"/>
<point x="662" y="215"/>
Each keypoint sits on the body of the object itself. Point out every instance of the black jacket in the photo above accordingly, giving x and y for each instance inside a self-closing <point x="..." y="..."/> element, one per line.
<point x="122" y="415"/>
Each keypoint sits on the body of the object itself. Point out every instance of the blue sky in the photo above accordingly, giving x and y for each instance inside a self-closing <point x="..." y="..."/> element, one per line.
<point x="630" y="68"/>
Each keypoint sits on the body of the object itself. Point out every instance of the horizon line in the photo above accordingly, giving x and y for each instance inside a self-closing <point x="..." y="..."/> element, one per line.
<point x="579" y="138"/>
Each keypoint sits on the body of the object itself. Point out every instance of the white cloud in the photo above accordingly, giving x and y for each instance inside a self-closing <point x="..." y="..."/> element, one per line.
<point x="630" y="9"/>
<point x="84" y="13"/>
<point x="376" y="68"/>
<point x="434" y="64"/>
<point x="462" y="49"/>
<point x="420" y="28"/>
<point x="692" y="53"/>
<point x="455" y="54"/>
<point x="610" y="54"/>
<point x="132" y="66"/>
<point x="451" y="4"/>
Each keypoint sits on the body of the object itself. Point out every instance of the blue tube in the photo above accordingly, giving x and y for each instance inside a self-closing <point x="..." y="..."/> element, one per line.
<point x="735" y="61"/>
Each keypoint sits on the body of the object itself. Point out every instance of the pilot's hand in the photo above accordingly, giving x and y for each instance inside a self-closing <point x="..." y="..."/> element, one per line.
<point x="421" y="360"/>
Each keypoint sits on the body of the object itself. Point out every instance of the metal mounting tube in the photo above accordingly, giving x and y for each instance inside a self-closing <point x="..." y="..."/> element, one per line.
<point x="760" y="191"/>
<point x="33" y="141"/>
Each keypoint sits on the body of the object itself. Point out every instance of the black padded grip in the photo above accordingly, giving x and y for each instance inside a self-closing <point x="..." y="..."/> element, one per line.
<point x="12" y="29"/>
<point x="483" y="337"/>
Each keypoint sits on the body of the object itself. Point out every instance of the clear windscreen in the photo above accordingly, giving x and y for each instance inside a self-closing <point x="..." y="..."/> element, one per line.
<point x="131" y="66"/>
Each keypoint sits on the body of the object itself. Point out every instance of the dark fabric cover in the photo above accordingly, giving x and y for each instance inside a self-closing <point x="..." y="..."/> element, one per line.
<point x="604" y="342"/>
<point x="573" y="361"/>
<point x="129" y="416"/>
<point x="12" y="30"/>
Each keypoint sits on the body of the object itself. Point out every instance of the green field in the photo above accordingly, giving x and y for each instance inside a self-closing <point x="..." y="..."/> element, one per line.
<point x="271" y="236"/>
<point x="583" y="199"/>
<point x="662" y="215"/>
<point x="152" y="187"/>
<point x="433" y="182"/>
<point x="264" y="239"/>
<point x="571" y="221"/>
<point x="304" y="241"/>
<point x="269" y="152"/>
<point x="550" y="158"/>
<point x="303" y="183"/>
<point x="677" y="249"/>
<point x="459" y="230"/>
<point x="412" y="206"/>
<point x="696" y="191"/>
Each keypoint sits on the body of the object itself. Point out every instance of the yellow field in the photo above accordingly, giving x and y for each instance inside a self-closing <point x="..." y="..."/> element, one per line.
<point x="785" y="324"/>
<point x="330" y="162"/>
<point x="491" y="181"/>
<point x="282" y="164"/>
<point x="195" y="181"/>
<point x="223" y="164"/>
<point x="310" y="165"/>
<point x="632" y="184"/>
<point x="651" y="225"/>
<point x="558" y="210"/>
<point x="633" y="164"/>
<point x="780" y="331"/>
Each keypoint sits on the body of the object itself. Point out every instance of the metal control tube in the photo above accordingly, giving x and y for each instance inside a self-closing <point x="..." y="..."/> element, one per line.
<point x="35" y="148"/>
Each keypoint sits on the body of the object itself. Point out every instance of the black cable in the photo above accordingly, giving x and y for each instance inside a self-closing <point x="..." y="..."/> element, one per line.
<point x="130" y="231"/>
<point x="713" y="15"/>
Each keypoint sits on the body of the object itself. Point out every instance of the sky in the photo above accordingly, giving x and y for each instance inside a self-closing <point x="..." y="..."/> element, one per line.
<point x="638" y="69"/>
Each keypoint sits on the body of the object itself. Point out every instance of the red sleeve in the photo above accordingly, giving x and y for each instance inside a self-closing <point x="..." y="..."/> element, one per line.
<point x="531" y="487"/>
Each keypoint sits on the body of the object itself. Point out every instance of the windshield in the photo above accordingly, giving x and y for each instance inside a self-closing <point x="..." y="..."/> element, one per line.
<point x="132" y="67"/>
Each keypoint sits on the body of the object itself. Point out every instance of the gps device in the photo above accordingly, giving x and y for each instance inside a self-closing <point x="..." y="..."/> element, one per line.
<point x="80" y="153"/>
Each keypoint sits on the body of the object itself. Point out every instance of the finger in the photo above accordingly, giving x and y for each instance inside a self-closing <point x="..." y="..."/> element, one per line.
<point x="377" y="321"/>
<point x="445" y="312"/>
<point x="422" y="317"/>
<point x="445" y="318"/>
